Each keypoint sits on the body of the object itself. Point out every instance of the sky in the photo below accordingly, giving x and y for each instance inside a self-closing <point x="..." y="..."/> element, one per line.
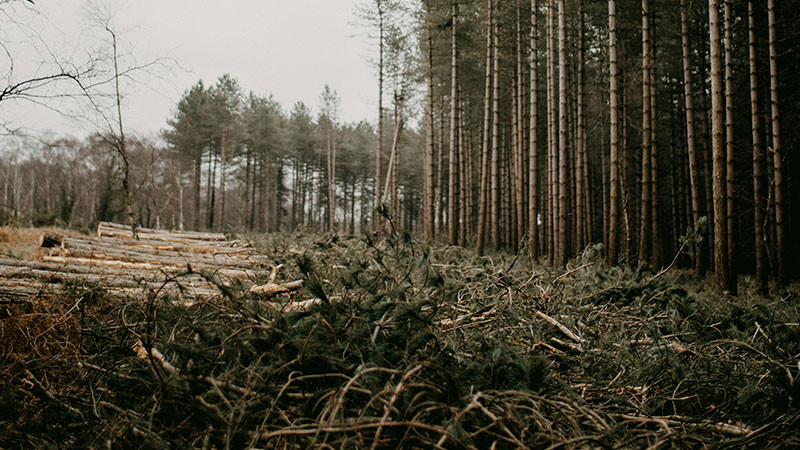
<point x="287" y="48"/>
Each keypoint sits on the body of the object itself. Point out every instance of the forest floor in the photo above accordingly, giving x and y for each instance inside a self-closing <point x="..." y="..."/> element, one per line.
<point x="402" y="345"/>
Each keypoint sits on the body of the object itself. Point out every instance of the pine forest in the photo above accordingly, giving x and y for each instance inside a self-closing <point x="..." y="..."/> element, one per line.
<point x="563" y="224"/>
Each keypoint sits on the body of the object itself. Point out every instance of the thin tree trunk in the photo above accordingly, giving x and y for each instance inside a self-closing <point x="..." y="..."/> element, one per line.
<point x="657" y="256"/>
<point x="439" y="209"/>
<point x="777" y="153"/>
<point x="220" y="206"/>
<point x="452" y="202"/>
<point x="645" y="236"/>
<point x="495" y="201"/>
<point x="520" y="143"/>
<point x="379" y="152"/>
<point x="721" y="269"/>
<point x="513" y="161"/>
<point x="694" y="172"/>
<point x="552" y="136"/>
<point x="533" y="164"/>
<point x="561" y="252"/>
<point x="759" y="179"/>
<point x="580" y="142"/>
<point x="462" y="170"/>
<point x="729" y="134"/>
<point x="429" y="188"/>
<point x="614" y="182"/>
<point x="197" y="175"/>
<point x="487" y="111"/>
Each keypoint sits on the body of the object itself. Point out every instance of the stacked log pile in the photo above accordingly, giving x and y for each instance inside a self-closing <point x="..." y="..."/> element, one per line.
<point x="194" y="264"/>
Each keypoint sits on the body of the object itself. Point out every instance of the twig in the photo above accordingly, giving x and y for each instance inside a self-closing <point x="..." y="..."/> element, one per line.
<point x="144" y="355"/>
<point x="44" y="393"/>
<point x="674" y="260"/>
<point x="567" y="332"/>
<point x="388" y="407"/>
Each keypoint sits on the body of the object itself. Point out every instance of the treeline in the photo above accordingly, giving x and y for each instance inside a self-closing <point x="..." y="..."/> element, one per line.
<point x="655" y="129"/>
<point x="249" y="166"/>
<point x="652" y="128"/>
<point x="226" y="161"/>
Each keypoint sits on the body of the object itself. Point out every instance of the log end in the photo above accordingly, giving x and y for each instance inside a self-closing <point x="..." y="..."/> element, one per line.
<point x="50" y="240"/>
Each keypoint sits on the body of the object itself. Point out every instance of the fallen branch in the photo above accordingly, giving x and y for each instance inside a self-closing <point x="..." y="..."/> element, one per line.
<point x="271" y="288"/>
<point x="567" y="332"/>
<point x="142" y="353"/>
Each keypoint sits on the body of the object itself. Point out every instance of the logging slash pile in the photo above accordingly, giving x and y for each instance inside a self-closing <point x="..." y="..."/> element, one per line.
<point x="389" y="343"/>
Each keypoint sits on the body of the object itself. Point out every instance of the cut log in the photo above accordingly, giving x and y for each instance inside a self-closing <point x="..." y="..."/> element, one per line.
<point x="232" y="273"/>
<point x="108" y="228"/>
<point x="191" y="283"/>
<point x="105" y="251"/>
<point x="49" y="240"/>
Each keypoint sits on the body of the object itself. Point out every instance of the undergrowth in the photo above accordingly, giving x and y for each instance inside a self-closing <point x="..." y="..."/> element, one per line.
<point x="409" y="346"/>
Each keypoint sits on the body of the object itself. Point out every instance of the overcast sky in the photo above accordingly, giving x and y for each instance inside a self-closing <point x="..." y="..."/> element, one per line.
<point x="289" y="48"/>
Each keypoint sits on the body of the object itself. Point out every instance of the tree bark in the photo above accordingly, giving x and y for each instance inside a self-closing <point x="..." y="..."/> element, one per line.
<point x="722" y="271"/>
<point x="729" y="135"/>
<point x="533" y="155"/>
<point x="379" y="152"/>
<point x="694" y="171"/>
<point x="581" y="218"/>
<point x="452" y="201"/>
<point x="561" y="248"/>
<point x="485" y="150"/>
<point x="777" y="153"/>
<point x="429" y="188"/>
<point x="645" y="235"/>
<point x="614" y="182"/>
<point x="495" y="201"/>
<point x="759" y="172"/>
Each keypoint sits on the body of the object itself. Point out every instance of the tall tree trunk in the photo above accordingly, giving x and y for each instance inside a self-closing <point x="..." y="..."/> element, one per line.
<point x="462" y="170"/>
<point x="759" y="178"/>
<point x="777" y="153"/>
<point x="561" y="252"/>
<point x="721" y="269"/>
<point x="552" y="138"/>
<point x="645" y="236"/>
<point x="495" y="201"/>
<point x="657" y="259"/>
<point x="729" y="134"/>
<point x="483" y="201"/>
<point x="197" y="175"/>
<point x="247" y="178"/>
<point x="212" y="189"/>
<point x="377" y="222"/>
<point x="580" y="143"/>
<point x="614" y="181"/>
<point x="439" y="207"/>
<point x="520" y="143"/>
<point x="694" y="171"/>
<point x="513" y="161"/>
<point x="707" y="156"/>
<point x="332" y="183"/>
<point x="452" y="201"/>
<point x="220" y="206"/>
<point x="429" y="188"/>
<point x="533" y="155"/>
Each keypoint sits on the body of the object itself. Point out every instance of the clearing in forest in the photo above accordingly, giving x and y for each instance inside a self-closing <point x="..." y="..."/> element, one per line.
<point x="397" y="344"/>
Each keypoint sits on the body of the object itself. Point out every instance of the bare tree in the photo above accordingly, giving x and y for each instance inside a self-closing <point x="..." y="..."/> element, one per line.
<point x="53" y="81"/>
